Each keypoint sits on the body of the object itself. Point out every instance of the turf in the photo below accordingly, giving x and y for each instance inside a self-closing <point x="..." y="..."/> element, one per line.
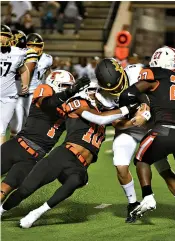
<point x="77" y="218"/>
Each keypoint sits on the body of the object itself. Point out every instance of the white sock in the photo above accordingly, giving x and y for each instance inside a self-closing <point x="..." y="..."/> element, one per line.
<point x="2" y="210"/>
<point x="130" y="192"/>
<point x="44" y="208"/>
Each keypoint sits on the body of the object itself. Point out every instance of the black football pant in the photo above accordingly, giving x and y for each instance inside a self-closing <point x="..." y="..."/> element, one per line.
<point x="62" y="164"/>
<point x="17" y="162"/>
<point x="156" y="145"/>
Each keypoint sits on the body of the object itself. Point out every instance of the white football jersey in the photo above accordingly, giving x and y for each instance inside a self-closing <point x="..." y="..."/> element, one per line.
<point x="44" y="63"/>
<point x="9" y="64"/>
<point x="111" y="101"/>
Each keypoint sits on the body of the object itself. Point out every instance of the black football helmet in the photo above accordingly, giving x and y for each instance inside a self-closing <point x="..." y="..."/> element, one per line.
<point x="111" y="76"/>
<point x="5" y="36"/>
<point x="35" y="41"/>
<point x="18" y="39"/>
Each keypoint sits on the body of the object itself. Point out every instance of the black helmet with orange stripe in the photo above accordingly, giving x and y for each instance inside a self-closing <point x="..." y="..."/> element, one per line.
<point x="18" y="39"/>
<point x="111" y="76"/>
<point x="35" y="41"/>
<point x="5" y="36"/>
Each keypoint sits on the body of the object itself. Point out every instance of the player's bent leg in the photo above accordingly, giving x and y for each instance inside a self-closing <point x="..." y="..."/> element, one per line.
<point x="15" y="177"/>
<point x="66" y="190"/>
<point x="7" y="157"/>
<point x="16" y="122"/>
<point x="164" y="169"/>
<point x="124" y="147"/>
<point x="44" y="172"/>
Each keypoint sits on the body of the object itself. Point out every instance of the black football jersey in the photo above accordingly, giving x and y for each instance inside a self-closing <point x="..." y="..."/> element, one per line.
<point x="162" y="97"/>
<point x="43" y="128"/>
<point x="81" y="131"/>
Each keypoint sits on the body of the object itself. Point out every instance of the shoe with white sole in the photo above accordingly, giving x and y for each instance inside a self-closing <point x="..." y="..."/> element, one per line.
<point x="147" y="204"/>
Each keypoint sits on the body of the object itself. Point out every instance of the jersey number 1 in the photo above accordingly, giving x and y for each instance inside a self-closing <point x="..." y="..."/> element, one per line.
<point x="172" y="88"/>
<point x="172" y="92"/>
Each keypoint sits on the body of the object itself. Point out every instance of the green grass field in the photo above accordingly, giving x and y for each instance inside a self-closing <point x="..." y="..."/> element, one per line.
<point x="77" y="218"/>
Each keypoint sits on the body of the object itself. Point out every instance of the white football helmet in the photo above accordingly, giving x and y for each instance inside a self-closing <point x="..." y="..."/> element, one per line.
<point x="59" y="80"/>
<point x="164" y="58"/>
<point x="91" y="89"/>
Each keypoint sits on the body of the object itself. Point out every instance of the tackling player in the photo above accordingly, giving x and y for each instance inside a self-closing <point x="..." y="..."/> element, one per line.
<point x="41" y="131"/>
<point x="12" y="60"/>
<point x="68" y="162"/>
<point x="158" y="82"/>
<point x="113" y="79"/>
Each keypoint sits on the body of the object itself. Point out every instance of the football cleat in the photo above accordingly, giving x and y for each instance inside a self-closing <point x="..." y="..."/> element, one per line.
<point x="30" y="218"/>
<point x="130" y="218"/>
<point x="147" y="204"/>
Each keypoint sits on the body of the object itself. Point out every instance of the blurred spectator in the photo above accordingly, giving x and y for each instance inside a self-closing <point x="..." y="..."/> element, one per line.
<point x="91" y="68"/>
<point x="146" y="61"/>
<point x="27" y="24"/>
<point x="80" y="69"/>
<point x="68" y="65"/>
<point x="61" y="64"/>
<point x="70" y="12"/>
<point x="56" y="63"/>
<point x="15" y="11"/>
<point x="134" y="59"/>
<point x="48" y="19"/>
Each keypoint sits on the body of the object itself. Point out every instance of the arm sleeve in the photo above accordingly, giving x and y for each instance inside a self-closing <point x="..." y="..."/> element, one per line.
<point x="100" y="120"/>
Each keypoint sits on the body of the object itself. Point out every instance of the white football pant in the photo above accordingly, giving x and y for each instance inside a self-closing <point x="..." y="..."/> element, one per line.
<point x="21" y="113"/>
<point x="6" y="112"/>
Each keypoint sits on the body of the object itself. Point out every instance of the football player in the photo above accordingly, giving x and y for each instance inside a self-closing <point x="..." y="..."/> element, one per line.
<point x="158" y="81"/>
<point x="19" y="40"/>
<point x="12" y="60"/>
<point x="35" y="43"/>
<point x="41" y="132"/>
<point x="68" y="162"/>
<point x="113" y="79"/>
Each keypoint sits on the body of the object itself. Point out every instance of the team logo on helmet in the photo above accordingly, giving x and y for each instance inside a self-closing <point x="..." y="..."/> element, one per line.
<point x="118" y="67"/>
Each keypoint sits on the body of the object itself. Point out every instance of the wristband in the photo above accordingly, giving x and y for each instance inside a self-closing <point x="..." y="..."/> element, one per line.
<point x="124" y="110"/>
<point x="146" y="114"/>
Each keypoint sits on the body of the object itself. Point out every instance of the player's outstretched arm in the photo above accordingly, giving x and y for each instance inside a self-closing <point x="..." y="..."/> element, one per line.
<point x="105" y="117"/>
<point x="58" y="99"/>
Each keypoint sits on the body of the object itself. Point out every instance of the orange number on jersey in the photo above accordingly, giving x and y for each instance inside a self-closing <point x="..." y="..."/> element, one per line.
<point x="41" y="92"/>
<point x="74" y="105"/>
<point x="51" y="132"/>
<point x="172" y="92"/>
<point x="143" y="75"/>
<point x="94" y="138"/>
